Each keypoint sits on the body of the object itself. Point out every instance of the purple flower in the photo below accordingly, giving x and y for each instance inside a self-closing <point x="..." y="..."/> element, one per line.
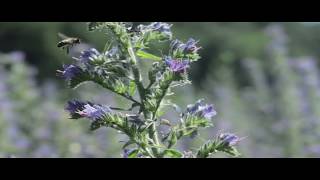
<point x="208" y="112"/>
<point x="178" y="66"/>
<point x="126" y="153"/>
<point x="201" y="110"/>
<point x="88" y="55"/>
<point x="17" y="56"/>
<point x="74" y="106"/>
<point x="193" y="108"/>
<point x="229" y="139"/>
<point x="191" y="46"/>
<point x="176" y="45"/>
<point x="94" y="111"/>
<point x="161" y="27"/>
<point x="69" y="71"/>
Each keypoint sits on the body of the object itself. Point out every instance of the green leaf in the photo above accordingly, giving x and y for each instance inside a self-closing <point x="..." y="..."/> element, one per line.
<point x="232" y="151"/>
<point x="79" y="79"/>
<point x="172" y="153"/>
<point x="132" y="88"/>
<point x="96" y="125"/>
<point x="127" y="144"/>
<point x="133" y="154"/>
<point x="145" y="55"/>
<point x="172" y="139"/>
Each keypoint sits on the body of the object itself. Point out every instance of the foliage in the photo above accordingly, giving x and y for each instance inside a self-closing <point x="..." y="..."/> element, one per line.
<point x="117" y="69"/>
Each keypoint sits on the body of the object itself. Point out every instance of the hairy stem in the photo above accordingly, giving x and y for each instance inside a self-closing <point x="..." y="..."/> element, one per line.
<point x="137" y="77"/>
<point x="123" y="95"/>
<point x="164" y="92"/>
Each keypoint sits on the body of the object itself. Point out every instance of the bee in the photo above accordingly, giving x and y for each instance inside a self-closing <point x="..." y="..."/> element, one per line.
<point x="67" y="42"/>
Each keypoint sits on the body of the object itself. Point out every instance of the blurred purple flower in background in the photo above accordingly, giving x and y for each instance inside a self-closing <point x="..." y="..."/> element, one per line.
<point x="22" y="143"/>
<point x="46" y="151"/>
<point x="17" y="56"/>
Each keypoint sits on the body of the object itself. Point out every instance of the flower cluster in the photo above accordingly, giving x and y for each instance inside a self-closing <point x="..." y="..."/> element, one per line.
<point x="89" y="55"/>
<point x="177" y="66"/>
<point x="94" y="112"/>
<point x="69" y="71"/>
<point x="201" y="110"/>
<point x="157" y="30"/>
<point x="86" y="109"/>
<point x="122" y="76"/>
<point x="74" y="106"/>
<point x="188" y="50"/>
<point x="189" y="47"/>
<point x="163" y="28"/>
<point x="229" y="139"/>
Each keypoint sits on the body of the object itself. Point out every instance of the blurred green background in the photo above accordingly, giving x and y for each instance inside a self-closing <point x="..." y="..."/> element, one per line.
<point x="262" y="77"/>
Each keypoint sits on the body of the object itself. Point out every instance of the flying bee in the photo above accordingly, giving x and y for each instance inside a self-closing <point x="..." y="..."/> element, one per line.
<point x="67" y="42"/>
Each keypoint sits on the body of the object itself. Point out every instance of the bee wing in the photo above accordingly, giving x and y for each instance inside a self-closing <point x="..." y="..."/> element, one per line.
<point x="62" y="36"/>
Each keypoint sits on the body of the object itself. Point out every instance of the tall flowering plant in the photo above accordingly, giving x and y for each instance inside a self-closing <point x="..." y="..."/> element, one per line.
<point x="117" y="69"/>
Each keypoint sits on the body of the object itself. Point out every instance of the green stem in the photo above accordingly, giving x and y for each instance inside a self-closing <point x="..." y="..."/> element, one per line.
<point x="154" y="135"/>
<point x="137" y="77"/>
<point x="123" y="95"/>
<point x="164" y="92"/>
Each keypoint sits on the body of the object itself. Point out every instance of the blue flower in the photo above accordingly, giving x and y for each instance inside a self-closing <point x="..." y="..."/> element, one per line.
<point x="229" y="139"/>
<point x="189" y="47"/>
<point x="74" y="106"/>
<point x="178" y="66"/>
<point x="88" y="55"/>
<point x="208" y="112"/>
<point x="201" y="110"/>
<point x="17" y="56"/>
<point x="94" y="111"/>
<point x="69" y="71"/>
<point x="177" y="45"/>
<point x="193" y="108"/>
<point x="161" y="27"/>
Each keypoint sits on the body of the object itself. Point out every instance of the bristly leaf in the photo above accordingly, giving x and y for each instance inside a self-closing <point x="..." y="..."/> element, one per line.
<point x="96" y="125"/>
<point x="132" y="88"/>
<point x="214" y="146"/>
<point x="144" y="55"/>
<point x="133" y="153"/>
<point x="172" y="153"/>
<point x="127" y="144"/>
<point x="78" y="80"/>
